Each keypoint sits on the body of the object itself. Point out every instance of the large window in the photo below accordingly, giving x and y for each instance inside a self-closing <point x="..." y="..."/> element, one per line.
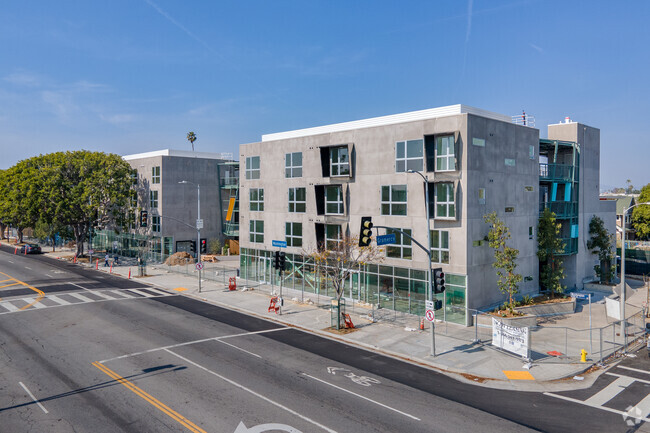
<point x="252" y="167"/>
<point x="153" y="199"/>
<point x="393" y="200"/>
<point x="445" y="203"/>
<point x="401" y="249"/>
<point x="334" y="200"/>
<point x="256" y="231"/>
<point x="409" y="155"/>
<point x="155" y="223"/>
<point x="332" y="236"/>
<point x="293" y="234"/>
<point x="339" y="161"/>
<point x="256" y="199"/>
<point x="155" y="174"/>
<point x="293" y="164"/>
<point x="439" y="246"/>
<point x="297" y="199"/>
<point x="445" y="154"/>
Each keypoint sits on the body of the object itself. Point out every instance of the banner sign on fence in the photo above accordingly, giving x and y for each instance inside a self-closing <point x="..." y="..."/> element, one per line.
<point x="510" y="338"/>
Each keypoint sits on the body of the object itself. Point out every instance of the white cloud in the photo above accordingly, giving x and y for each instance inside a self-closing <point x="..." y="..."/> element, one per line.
<point x="117" y="119"/>
<point x="23" y="78"/>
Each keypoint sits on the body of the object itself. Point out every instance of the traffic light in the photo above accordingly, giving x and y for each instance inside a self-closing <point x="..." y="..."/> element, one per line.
<point x="144" y="215"/>
<point x="276" y="260"/>
<point x="437" y="304"/>
<point x="192" y="247"/>
<point x="365" y="232"/>
<point x="204" y="246"/>
<point x="282" y="261"/>
<point x="438" y="280"/>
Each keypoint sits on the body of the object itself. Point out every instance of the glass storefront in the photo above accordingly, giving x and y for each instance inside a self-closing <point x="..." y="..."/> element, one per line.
<point x="391" y="287"/>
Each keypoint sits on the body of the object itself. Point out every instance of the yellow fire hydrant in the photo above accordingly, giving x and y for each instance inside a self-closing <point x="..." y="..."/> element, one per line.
<point x="583" y="355"/>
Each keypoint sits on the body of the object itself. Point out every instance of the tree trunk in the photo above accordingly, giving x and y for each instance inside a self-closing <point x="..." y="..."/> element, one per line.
<point x="20" y="236"/>
<point x="79" y="238"/>
<point x="3" y="227"/>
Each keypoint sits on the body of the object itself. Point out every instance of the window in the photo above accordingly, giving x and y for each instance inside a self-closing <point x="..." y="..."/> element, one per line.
<point x="445" y="203"/>
<point x="332" y="236"/>
<point x="529" y="188"/>
<point x="252" y="167"/>
<point x="510" y="162"/>
<point x="155" y="223"/>
<point x="297" y="199"/>
<point x="480" y="142"/>
<point x="333" y="200"/>
<point x="256" y="231"/>
<point x="531" y="232"/>
<point x="409" y="155"/>
<point x="440" y="246"/>
<point x="339" y="161"/>
<point x="256" y="199"/>
<point x="155" y="174"/>
<point x="153" y="199"/>
<point x="481" y="196"/>
<point x="445" y="153"/>
<point x="401" y="249"/>
<point x="393" y="200"/>
<point x="293" y="234"/>
<point x="510" y="209"/>
<point x="531" y="151"/>
<point x="293" y="164"/>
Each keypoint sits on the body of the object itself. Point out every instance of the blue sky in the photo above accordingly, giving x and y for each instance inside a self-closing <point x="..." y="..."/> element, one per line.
<point x="130" y="76"/>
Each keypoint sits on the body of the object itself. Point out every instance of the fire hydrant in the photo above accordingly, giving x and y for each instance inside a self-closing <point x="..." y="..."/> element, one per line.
<point x="583" y="355"/>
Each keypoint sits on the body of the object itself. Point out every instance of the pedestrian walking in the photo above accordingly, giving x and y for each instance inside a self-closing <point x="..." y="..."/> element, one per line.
<point x="106" y="265"/>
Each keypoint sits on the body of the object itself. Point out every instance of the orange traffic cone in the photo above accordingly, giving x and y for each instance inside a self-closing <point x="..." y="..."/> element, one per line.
<point x="16" y="250"/>
<point x="97" y="264"/>
<point x="129" y="273"/>
<point x="110" y="271"/>
<point x="421" y="323"/>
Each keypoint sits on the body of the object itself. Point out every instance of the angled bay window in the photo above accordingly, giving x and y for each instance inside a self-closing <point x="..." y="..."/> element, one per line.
<point x="332" y="236"/>
<point x="256" y="231"/>
<point x="335" y="161"/>
<point x="155" y="174"/>
<point x="445" y="153"/>
<point x="401" y="249"/>
<point x="293" y="234"/>
<point x="445" y="201"/>
<point x="297" y="200"/>
<point x="393" y="200"/>
<point x="256" y="199"/>
<point x="252" y="167"/>
<point x="293" y="164"/>
<point x="334" y="200"/>
<point x="439" y="246"/>
<point x="409" y="155"/>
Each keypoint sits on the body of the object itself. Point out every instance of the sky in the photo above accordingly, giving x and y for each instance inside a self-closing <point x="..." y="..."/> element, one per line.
<point x="132" y="76"/>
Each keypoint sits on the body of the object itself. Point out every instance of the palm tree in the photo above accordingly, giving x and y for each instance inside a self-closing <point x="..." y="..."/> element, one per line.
<point x="191" y="137"/>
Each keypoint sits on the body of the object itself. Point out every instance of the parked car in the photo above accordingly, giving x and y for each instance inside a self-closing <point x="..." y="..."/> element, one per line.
<point x="30" y="249"/>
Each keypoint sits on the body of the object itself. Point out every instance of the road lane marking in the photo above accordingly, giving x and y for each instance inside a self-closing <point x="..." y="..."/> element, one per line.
<point x="187" y="343"/>
<point x="27" y="267"/>
<point x="58" y="300"/>
<point x="141" y="293"/>
<point x="9" y="306"/>
<point x="9" y="285"/>
<point x="244" y="388"/>
<point x="123" y="293"/>
<point x="633" y="378"/>
<point x="642" y="408"/>
<point x="633" y="369"/>
<point x="605" y="408"/>
<point x="80" y="297"/>
<point x="33" y="398"/>
<point x="362" y="397"/>
<point x="40" y="293"/>
<point x="609" y="392"/>
<point x="35" y="305"/>
<point x="47" y="275"/>
<point x="150" y="399"/>
<point x="239" y="348"/>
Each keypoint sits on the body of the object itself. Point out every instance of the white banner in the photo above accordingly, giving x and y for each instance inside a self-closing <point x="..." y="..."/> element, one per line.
<point x="510" y="338"/>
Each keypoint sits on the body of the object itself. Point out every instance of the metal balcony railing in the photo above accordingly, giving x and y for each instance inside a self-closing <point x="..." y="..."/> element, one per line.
<point x="229" y="181"/>
<point x="561" y="172"/>
<point x="570" y="246"/>
<point x="561" y="209"/>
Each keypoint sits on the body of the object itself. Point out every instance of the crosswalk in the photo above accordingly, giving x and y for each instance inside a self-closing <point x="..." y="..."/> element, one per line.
<point x="71" y="298"/>
<point x="625" y="392"/>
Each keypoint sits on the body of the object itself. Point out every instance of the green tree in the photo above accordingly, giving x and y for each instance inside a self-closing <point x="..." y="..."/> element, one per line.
<point x="191" y="137"/>
<point x="601" y="243"/>
<point x="549" y="248"/>
<point x="505" y="258"/>
<point x="641" y="215"/>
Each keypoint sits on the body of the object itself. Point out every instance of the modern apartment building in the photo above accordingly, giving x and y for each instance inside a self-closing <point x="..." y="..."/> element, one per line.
<point x="308" y="187"/>
<point x="168" y="187"/>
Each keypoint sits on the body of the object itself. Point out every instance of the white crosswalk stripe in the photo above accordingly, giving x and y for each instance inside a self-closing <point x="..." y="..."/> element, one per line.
<point x="15" y="305"/>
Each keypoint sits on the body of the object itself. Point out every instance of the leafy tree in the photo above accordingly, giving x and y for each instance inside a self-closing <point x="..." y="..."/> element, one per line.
<point x="641" y="215"/>
<point x="505" y="258"/>
<point x="549" y="248"/>
<point x="191" y="137"/>
<point x="340" y="259"/>
<point x="601" y="243"/>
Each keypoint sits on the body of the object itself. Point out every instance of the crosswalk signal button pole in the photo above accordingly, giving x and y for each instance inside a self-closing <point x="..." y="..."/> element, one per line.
<point x="365" y="232"/>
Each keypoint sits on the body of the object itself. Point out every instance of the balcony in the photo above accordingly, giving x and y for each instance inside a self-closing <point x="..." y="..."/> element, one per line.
<point x="570" y="246"/>
<point x="229" y="182"/>
<point x="561" y="209"/>
<point x="231" y="229"/>
<point x="557" y="172"/>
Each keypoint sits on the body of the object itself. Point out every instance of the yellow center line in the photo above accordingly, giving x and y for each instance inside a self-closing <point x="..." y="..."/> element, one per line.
<point x="8" y="285"/>
<point x="40" y="293"/>
<point x="150" y="399"/>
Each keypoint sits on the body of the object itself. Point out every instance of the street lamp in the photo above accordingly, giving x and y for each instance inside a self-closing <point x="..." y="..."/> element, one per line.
<point x="430" y="288"/>
<point x="623" y="323"/>
<point x="199" y="225"/>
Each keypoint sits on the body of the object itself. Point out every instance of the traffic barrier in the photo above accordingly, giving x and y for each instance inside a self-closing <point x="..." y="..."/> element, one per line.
<point x="273" y="305"/>
<point x="232" y="283"/>
<point x="347" y="320"/>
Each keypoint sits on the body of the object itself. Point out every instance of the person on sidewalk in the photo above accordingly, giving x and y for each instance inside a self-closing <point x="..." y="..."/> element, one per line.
<point x="106" y="265"/>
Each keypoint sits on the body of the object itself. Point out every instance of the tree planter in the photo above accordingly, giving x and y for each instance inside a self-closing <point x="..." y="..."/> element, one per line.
<point x="549" y="309"/>
<point x="519" y="321"/>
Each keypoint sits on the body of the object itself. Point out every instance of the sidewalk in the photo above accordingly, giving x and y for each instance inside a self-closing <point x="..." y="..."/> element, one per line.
<point x="477" y="363"/>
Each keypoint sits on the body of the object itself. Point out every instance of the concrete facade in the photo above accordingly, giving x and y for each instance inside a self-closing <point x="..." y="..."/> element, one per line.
<point x="496" y="169"/>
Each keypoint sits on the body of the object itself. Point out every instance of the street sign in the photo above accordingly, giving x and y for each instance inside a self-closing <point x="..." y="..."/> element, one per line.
<point x="429" y="305"/>
<point x="581" y="296"/>
<point x="279" y="244"/>
<point x="430" y="315"/>
<point x="199" y="266"/>
<point x="386" y="239"/>
<point x="199" y="224"/>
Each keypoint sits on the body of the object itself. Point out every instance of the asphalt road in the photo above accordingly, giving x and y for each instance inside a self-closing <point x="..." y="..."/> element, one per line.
<point x="99" y="353"/>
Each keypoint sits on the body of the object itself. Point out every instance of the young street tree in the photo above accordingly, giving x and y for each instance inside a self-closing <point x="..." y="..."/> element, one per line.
<point x="601" y="243"/>
<point x="641" y="215"/>
<point x="338" y="259"/>
<point x="505" y="258"/>
<point x="549" y="248"/>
